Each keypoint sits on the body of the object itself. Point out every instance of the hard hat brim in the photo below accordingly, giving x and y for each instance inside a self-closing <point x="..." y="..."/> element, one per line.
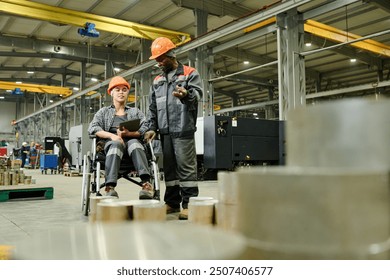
<point x="154" y="56"/>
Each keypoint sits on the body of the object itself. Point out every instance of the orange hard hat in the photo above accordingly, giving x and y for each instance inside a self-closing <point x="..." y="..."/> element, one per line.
<point x="117" y="81"/>
<point x="160" y="46"/>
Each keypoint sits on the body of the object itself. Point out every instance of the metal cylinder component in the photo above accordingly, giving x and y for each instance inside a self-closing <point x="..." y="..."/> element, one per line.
<point x="349" y="133"/>
<point x="202" y="211"/>
<point x="115" y="211"/>
<point x="93" y="202"/>
<point x="150" y="212"/>
<point x="111" y="211"/>
<point x="226" y="216"/>
<point x="6" y="178"/>
<point x="226" y="208"/>
<point x="315" y="213"/>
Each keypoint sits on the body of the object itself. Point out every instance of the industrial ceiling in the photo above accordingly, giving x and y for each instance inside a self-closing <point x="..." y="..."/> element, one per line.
<point x="44" y="47"/>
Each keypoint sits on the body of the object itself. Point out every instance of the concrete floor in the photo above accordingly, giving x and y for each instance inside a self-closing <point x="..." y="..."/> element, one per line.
<point x="23" y="219"/>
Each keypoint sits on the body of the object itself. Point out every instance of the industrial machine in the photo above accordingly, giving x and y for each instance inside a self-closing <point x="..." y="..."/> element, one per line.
<point x="79" y="144"/>
<point x="231" y="142"/>
<point x="71" y="151"/>
<point x="55" y="156"/>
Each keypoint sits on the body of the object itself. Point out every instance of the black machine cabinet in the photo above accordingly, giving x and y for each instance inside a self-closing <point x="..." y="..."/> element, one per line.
<point x="231" y="141"/>
<point x="50" y="142"/>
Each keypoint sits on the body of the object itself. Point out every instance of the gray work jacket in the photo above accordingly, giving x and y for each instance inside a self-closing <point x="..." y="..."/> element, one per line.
<point x="169" y="114"/>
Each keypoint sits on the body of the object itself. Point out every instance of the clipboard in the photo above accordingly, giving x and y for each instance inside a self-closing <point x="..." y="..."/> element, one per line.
<point x="132" y="125"/>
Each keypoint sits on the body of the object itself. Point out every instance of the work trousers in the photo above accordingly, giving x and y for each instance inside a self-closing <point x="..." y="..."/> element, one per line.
<point x="114" y="151"/>
<point x="24" y="158"/>
<point x="180" y="170"/>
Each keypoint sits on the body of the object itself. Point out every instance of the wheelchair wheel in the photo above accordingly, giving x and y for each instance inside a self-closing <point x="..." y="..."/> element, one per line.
<point x="86" y="206"/>
<point x="155" y="180"/>
<point x="85" y="187"/>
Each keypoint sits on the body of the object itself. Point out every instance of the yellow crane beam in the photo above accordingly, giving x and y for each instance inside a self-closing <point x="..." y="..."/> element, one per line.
<point x="340" y="36"/>
<point x="260" y="24"/>
<point x="65" y="92"/>
<point x="334" y="34"/>
<point x="131" y="98"/>
<point x="65" y="16"/>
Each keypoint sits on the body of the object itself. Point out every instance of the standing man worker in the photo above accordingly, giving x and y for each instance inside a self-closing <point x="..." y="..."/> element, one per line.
<point x="24" y="153"/>
<point x="119" y="140"/>
<point x="33" y="155"/>
<point x="173" y="111"/>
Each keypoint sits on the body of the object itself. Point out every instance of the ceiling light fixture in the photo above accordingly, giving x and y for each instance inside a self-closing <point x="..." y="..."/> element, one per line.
<point x="30" y="72"/>
<point x="116" y="69"/>
<point x="308" y="40"/>
<point x="94" y="79"/>
<point x="352" y="60"/>
<point x="246" y="62"/>
<point x="18" y="82"/>
<point x="45" y="59"/>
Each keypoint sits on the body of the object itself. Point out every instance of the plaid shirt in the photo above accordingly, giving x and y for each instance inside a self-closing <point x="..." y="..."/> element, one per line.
<point x="104" y="118"/>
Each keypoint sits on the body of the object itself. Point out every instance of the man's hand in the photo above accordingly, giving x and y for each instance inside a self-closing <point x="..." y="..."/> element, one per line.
<point x="180" y="92"/>
<point x="122" y="132"/>
<point x="149" y="136"/>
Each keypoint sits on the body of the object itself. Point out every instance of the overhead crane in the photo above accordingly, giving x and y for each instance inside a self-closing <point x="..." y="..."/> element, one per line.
<point x="340" y="36"/>
<point x="63" y="91"/>
<point x="71" y="17"/>
<point x="66" y="16"/>
<point x="333" y="34"/>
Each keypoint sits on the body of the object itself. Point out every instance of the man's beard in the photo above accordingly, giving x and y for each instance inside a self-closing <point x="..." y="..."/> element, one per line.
<point x="166" y="68"/>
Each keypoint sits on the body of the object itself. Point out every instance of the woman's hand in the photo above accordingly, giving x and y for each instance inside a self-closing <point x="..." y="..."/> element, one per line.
<point x="122" y="132"/>
<point x="125" y="133"/>
<point x="117" y="138"/>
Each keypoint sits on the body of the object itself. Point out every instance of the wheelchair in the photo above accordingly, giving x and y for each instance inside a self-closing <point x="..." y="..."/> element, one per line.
<point x="93" y="169"/>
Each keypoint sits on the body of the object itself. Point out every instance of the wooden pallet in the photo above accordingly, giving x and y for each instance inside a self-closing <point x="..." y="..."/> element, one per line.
<point x="72" y="174"/>
<point x="8" y="193"/>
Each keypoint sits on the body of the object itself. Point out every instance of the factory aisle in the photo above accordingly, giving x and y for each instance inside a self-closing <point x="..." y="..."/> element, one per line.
<point x="21" y="219"/>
